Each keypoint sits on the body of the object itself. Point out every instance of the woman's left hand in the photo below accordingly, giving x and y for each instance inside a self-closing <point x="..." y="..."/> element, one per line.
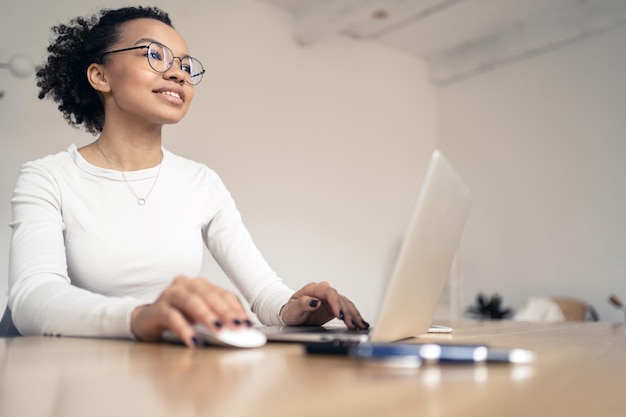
<point x="318" y="303"/>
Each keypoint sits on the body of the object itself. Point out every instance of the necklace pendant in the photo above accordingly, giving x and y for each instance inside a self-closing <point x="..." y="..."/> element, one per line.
<point x="140" y="200"/>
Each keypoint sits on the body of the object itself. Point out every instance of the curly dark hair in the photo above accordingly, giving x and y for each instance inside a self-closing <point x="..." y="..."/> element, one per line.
<point x="76" y="45"/>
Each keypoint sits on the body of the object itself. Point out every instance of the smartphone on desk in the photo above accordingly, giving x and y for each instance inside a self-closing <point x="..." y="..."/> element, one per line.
<point x="425" y="352"/>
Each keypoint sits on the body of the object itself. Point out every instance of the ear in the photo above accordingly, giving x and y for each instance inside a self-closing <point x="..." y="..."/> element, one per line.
<point x="97" y="78"/>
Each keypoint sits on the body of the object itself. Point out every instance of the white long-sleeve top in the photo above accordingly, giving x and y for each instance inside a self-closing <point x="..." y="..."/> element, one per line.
<point x="84" y="253"/>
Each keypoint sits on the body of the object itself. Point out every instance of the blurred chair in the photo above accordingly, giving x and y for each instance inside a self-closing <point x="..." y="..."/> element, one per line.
<point x="572" y="309"/>
<point x="556" y="309"/>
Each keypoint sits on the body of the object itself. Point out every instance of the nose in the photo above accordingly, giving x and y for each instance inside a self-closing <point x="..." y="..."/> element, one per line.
<point x="176" y="72"/>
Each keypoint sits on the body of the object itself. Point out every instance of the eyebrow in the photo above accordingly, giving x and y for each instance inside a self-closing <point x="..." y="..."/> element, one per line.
<point x="149" y="40"/>
<point x="143" y="40"/>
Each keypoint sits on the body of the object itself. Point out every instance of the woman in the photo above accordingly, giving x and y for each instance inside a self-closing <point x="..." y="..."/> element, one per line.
<point x="107" y="239"/>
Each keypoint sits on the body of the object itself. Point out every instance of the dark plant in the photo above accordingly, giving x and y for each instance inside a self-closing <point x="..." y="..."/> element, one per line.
<point x="488" y="308"/>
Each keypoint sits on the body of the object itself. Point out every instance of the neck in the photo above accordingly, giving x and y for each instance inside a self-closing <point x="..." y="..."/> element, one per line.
<point x="130" y="155"/>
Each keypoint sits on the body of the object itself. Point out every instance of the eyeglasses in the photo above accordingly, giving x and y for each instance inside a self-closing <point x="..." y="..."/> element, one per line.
<point x="161" y="58"/>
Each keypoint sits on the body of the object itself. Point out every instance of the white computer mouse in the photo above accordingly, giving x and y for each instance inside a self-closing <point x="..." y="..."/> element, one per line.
<point x="243" y="337"/>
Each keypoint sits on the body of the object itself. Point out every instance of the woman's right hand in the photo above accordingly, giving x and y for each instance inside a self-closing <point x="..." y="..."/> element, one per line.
<point x="184" y="302"/>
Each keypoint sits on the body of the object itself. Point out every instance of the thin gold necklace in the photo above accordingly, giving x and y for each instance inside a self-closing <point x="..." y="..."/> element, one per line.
<point x="140" y="200"/>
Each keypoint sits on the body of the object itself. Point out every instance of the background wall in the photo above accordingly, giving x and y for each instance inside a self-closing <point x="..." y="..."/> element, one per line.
<point x="541" y="144"/>
<point x="323" y="148"/>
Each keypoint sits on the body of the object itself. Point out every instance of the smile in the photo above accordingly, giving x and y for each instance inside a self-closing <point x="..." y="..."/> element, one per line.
<point x="171" y="93"/>
<point x="177" y="95"/>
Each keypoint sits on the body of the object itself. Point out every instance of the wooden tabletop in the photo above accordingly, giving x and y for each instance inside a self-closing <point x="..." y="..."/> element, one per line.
<point x="580" y="371"/>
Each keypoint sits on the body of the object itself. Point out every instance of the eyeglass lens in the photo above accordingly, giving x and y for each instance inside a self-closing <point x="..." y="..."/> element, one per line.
<point x="161" y="58"/>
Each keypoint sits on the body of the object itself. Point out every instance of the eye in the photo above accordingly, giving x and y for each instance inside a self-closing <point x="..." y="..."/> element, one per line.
<point x="156" y="52"/>
<point x="152" y="54"/>
<point x="186" y="68"/>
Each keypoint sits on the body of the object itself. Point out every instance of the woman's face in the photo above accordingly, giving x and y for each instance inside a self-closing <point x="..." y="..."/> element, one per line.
<point x="135" y="92"/>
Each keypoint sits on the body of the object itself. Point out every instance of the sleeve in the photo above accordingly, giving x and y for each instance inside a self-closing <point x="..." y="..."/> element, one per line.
<point x="42" y="298"/>
<point x="232" y="247"/>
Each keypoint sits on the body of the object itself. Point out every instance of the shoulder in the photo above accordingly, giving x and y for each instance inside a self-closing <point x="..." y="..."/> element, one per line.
<point x="181" y="163"/>
<point x="42" y="179"/>
<point x="191" y="171"/>
<point x="50" y="162"/>
<point x="51" y="166"/>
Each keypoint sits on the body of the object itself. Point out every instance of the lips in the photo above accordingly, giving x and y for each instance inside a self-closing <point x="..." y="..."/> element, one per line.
<point x="173" y="92"/>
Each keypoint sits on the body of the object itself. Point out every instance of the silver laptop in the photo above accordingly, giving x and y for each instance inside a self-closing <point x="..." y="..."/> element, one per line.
<point x="421" y="269"/>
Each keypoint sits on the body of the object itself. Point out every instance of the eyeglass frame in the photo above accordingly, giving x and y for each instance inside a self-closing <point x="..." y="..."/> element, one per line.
<point x="200" y="74"/>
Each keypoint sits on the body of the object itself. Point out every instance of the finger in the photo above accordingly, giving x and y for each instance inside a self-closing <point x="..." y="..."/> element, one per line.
<point x="176" y="323"/>
<point x="224" y="304"/>
<point x="149" y="322"/>
<point x="324" y="292"/>
<point x="352" y="316"/>
<point x="297" y="310"/>
<point x="309" y="303"/>
<point x="193" y="307"/>
<point x="340" y="306"/>
<point x="345" y="310"/>
<point x="335" y="302"/>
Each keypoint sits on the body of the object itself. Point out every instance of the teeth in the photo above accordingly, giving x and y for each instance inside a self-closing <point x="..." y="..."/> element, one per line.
<point x="171" y="93"/>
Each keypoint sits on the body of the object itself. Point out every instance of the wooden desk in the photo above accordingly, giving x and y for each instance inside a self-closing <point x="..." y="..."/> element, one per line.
<point x="580" y="371"/>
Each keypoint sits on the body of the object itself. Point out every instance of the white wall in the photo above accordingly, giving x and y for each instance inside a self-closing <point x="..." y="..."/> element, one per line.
<point x="323" y="148"/>
<point x="541" y="144"/>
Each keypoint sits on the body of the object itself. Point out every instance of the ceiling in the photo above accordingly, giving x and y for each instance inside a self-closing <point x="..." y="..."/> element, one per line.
<point x="458" y="38"/>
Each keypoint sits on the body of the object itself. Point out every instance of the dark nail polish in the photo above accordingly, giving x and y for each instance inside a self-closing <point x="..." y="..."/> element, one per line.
<point x="196" y="342"/>
<point x="218" y="324"/>
<point x="237" y="322"/>
<point x="341" y="316"/>
<point x="248" y="323"/>
<point x="366" y="324"/>
<point x="313" y="303"/>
